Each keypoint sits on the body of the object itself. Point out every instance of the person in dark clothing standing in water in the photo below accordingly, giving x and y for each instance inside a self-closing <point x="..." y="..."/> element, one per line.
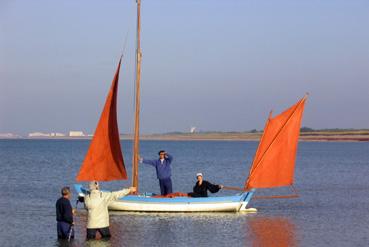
<point x="64" y="215"/>
<point x="201" y="188"/>
<point x="163" y="171"/>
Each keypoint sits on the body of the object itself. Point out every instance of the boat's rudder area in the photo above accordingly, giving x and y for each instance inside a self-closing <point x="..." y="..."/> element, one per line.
<point x="81" y="192"/>
<point x="245" y="201"/>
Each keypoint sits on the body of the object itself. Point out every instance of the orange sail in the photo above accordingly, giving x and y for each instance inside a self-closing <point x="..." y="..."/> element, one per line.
<point x="104" y="159"/>
<point x="274" y="161"/>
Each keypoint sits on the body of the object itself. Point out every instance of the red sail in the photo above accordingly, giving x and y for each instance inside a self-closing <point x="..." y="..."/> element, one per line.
<point x="104" y="159"/>
<point x="274" y="161"/>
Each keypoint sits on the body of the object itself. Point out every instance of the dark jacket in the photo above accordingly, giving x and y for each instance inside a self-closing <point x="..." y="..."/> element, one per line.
<point x="64" y="210"/>
<point x="202" y="190"/>
<point x="164" y="170"/>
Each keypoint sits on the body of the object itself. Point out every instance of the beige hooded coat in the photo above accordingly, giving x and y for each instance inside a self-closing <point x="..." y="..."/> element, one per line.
<point x="97" y="205"/>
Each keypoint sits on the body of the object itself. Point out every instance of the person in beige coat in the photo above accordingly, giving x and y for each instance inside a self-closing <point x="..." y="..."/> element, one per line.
<point x="97" y="206"/>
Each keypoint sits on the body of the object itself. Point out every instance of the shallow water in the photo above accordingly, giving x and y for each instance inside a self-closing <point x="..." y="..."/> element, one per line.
<point x="332" y="210"/>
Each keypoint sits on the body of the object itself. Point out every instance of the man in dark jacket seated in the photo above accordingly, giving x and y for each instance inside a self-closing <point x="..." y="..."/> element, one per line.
<point x="202" y="186"/>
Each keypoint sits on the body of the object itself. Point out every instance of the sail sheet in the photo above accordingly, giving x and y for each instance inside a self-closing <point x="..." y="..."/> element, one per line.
<point x="104" y="159"/>
<point x="274" y="161"/>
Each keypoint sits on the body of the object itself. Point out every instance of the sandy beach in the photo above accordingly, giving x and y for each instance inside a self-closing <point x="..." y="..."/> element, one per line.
<point x="318" y="135"/>
<point x="354" y="135"/>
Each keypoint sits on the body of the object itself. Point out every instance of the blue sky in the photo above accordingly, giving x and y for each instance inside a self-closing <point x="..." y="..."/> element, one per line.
<point x="218" y="65"/>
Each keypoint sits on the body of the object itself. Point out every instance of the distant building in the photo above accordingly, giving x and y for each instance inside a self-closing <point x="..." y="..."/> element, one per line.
<point x="41" y="134"/>
<point x="76" y="134"/>
<point x="38" y="134"/>
<point x="9" y="135"/>
<point x="193" y="130"/>
<point x="57" y="134"/>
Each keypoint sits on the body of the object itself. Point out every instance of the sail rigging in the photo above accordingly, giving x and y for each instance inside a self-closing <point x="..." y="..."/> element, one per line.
<point x="104" y="158"/>
<point x="274" y="161"/>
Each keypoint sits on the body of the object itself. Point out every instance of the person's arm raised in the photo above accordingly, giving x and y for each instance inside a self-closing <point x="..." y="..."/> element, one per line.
<point x="112" y="196"/>
<point x="145" y="161"/>
<point x="169" y="157"/>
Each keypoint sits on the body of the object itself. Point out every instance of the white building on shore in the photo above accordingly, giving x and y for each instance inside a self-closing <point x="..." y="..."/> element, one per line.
<point x="39" y="134"/>
<point x="57" y="134"/>
<point x="8" y="135"/>
<point x="76" y="134"/>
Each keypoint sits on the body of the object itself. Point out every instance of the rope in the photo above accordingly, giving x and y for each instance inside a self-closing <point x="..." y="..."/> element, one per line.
<point x="276" y="197"/>
<point x="125" y="43"/>
<point x="295" y="195"/>
<point x="234" y="188"/>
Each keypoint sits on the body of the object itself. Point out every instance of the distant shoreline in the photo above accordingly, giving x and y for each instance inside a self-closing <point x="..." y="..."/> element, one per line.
<point x="313" y="136"/>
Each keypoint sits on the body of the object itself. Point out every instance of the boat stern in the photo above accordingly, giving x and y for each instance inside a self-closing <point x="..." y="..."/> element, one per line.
<point x="245" y="201"/>
<point x="81" y="192"/>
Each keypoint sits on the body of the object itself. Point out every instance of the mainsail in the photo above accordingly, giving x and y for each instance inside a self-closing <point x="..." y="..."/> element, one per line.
<point x="104" y="159"/>
<point x="274" y="161"/>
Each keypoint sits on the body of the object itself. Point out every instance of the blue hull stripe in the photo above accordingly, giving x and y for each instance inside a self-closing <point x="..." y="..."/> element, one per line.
<point x="147" y="199"/>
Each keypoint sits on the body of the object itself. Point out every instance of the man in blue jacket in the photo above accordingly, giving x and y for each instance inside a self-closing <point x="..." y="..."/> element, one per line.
<point x="163" y="171"/>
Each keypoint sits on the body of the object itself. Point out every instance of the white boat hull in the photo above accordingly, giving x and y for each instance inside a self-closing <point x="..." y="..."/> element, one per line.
<point x="175" y="207"/>
<point x="148" y="203"/>
<point x="182" y="204"/>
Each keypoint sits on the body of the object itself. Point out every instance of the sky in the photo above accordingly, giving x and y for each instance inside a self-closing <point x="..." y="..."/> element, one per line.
<point x="219" y="65"/>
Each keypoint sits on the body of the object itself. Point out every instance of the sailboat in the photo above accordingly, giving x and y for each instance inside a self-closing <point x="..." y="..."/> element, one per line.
<point x="273" y="164"/>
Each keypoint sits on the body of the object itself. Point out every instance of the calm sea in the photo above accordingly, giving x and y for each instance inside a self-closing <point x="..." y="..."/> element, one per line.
<point x="332" y="210"/>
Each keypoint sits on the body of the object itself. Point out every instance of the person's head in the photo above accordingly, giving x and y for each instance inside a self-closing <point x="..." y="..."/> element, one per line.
<point x="161" y="154"/>
<point x="94" y="185"/>
<point x="199" y="177"/>
<point x="65" y="191"/>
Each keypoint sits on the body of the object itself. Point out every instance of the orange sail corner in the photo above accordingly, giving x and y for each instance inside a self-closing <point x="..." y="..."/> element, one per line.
<point x="104" y="159"/>
<point x="274" y="161"/>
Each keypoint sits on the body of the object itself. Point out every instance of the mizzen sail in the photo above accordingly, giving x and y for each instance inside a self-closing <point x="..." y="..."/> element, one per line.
<point x="274" y="161"/>
<point x="104" y="159"/>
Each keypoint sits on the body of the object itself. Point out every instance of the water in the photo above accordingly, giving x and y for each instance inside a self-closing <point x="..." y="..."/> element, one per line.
<point x="332" y="180"/>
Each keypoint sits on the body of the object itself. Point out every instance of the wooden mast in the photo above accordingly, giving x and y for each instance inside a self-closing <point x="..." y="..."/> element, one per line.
<point x="136" y="147"/>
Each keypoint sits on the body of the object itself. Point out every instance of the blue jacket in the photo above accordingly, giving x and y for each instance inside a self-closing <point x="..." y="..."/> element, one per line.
<point x="164" y="170"/>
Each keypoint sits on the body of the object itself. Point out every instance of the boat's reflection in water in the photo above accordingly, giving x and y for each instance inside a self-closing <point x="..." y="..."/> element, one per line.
<point x="190" y="229"/>
<point x="271" y="231"/>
